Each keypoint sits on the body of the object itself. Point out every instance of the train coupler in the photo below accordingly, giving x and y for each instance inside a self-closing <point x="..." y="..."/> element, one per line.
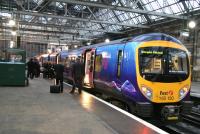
<point x="170" y="112"/>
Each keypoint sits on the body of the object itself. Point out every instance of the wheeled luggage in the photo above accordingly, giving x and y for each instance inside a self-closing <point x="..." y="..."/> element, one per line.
<point x="55" y="89"/>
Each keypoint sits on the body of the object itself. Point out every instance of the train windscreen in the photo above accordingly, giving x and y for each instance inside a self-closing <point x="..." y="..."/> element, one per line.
<point x="163" y="64"/>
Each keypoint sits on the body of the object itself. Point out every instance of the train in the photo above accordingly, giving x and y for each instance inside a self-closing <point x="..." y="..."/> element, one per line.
<point x="150" y="73"/>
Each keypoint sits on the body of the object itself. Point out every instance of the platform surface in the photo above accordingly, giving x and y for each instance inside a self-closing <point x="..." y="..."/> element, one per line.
<point x="33" y="110"/>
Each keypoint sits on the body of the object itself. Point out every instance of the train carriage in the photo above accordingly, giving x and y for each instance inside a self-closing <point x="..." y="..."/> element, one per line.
<point x="150" y="72"/>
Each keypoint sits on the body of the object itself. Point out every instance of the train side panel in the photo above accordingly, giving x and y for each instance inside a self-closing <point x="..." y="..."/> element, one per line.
<point x="128" y="77"/>
<point x="106" y="67"/>
<point x="115" y="71"/>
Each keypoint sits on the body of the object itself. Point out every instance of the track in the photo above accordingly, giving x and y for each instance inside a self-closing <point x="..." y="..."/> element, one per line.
<point x="193" y="118"/>
<point x="190" y="124"/>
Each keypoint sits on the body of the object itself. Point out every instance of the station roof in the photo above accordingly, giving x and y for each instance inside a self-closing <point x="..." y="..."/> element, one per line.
<point x="85" y="20"/>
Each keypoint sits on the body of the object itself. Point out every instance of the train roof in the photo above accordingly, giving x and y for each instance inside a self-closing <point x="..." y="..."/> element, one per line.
<point x="142" y="38"/>
<point x="139" y="38"/>
<point x="155" y="36"/>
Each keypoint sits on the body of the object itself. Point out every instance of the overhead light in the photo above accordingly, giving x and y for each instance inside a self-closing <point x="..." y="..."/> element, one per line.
<point x="192" y="24"/>
<point x="88" y="43"/>
<point x="13" y="33"/>
<point x="186" y="34"/>
<point x="11" y="23"/>
<point x="75" y="46"/>
<point x="66" y="48"/>
<point x="11" y="44"/>
<point x="107" y="40"/>
<point x="49" y="50"/>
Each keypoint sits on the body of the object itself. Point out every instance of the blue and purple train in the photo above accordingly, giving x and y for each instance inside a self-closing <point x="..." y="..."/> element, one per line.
<point x="151" y="73"/>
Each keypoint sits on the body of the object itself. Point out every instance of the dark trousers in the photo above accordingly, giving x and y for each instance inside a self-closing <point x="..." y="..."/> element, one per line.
<point x="77" y="82"/>
<point x="30" y="74"/>
<point x="60" y="81"/>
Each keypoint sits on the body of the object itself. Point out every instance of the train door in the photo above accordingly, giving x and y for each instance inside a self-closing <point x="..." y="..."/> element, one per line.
<point x="89" y="68"/>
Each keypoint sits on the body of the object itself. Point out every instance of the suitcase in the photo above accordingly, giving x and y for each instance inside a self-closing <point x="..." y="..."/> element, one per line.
<point x="55" y="89"/>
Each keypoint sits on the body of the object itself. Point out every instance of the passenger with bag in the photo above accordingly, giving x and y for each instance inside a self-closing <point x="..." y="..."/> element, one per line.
<point x="77" y="75"/>
<point x="59" y="69"/>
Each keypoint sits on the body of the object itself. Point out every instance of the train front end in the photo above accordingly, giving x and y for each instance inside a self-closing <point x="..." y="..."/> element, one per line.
<point x="164" y="78"/>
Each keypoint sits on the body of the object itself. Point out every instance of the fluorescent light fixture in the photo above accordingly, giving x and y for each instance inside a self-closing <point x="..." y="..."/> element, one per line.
<point x="11" y="23"/>
<point x="186" y="34"/>
<point x="107" y="40"/>
<point x="49" y="50"/>
<point x="66" y="48"/>
<point x="192" y="24"/>
<point x="8" y="15"/>
<point x="13" y="33"/>
<point x="11" y="44"/>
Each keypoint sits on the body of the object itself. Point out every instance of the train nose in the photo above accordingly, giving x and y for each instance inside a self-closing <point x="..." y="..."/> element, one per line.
<point x="170" y="112"/>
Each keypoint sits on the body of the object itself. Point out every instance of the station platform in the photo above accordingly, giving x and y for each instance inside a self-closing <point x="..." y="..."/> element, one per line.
<point x="195" y="89"/>
<point x="33" y="110"/>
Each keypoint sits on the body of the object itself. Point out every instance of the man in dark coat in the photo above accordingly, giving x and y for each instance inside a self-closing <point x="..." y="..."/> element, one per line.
<point x="30" y="65"/>
<point x="59" y="69"/>
<point x="77" y="75"/>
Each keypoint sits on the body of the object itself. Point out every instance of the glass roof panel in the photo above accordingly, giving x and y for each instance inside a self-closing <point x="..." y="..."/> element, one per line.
<point x="38" y="1"/>
<point x="59" y="5"/>
<point x="79" y="7"/>
<point x="193" y="4"/>
<point x="155" y="5"/>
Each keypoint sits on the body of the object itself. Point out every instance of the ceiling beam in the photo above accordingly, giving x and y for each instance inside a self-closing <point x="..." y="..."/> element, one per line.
<point x="76" y="19"/>
<point x="42" y="25"/>
<point x="39" y="30"/>
<point x="30" y="39"/>
<point x="145" y="15"/>
<point x="119" y="8"/>
<point x="67" y="27"/>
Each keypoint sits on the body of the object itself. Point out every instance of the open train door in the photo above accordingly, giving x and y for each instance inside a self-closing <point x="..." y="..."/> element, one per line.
<point x="89" y="68"/>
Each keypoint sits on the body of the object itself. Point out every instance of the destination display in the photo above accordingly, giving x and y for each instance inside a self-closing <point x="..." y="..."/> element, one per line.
<point x="152" y="52"/>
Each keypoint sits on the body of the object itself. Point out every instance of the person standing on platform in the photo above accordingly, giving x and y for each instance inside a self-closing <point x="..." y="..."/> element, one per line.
<point x="59" y="69"/>
<point x="30" y="65"/>
<point x="77" y="75"/>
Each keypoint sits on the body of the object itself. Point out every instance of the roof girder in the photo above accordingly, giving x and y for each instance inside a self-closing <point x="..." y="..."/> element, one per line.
<point x="126" y="9"/>
<point x="77" y="19"/>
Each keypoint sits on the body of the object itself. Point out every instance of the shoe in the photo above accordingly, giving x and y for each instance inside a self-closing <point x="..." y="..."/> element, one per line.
<point x="71" y="92"/>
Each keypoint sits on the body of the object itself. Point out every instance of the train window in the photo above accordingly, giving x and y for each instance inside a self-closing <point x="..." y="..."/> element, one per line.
<point x="98" y="63"/>
<point x="119" y="60"/>
<point x="163" y="64"/>
<point x="177" y="62"/>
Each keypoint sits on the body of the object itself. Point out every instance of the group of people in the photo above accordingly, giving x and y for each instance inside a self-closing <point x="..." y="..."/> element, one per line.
<point x="58" y="69"/>
<point x="33" y="68"/>
<point x="48" y="71"/>
<point x="77" y="75"/>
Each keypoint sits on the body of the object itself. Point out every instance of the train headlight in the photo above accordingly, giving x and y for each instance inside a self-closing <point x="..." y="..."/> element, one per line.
<point x="147" y="92"/>
<point x="183" y="91"/>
